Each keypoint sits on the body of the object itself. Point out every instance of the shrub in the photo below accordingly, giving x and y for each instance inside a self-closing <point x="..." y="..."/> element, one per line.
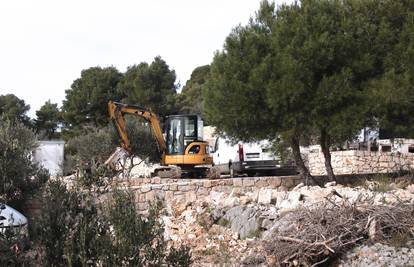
<point x="60" y="208"/>
<point x="74" y="230"/>
<point x="18" y="174"/>
<point x="141" y="138"/>
<point x="95" y="145"/>
<point x="87" y="151"/>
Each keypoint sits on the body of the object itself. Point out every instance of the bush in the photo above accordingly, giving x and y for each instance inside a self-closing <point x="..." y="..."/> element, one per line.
<point x="18" y="174"/>
<point x="95" y="145"/>
<point x="87" y="152"/>
<point x="141" y="138"/>
<point x="60" y="208"/>
<point x="74" y="230"/>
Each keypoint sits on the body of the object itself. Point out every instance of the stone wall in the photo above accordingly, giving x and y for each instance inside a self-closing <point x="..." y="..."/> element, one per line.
<point x="181" y="190"/>
<point x="361" y="162"/>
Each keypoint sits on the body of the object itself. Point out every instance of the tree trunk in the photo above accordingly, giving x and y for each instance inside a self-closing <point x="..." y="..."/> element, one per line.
<point x="304" y="171"/>
<point x="325" y="144"/>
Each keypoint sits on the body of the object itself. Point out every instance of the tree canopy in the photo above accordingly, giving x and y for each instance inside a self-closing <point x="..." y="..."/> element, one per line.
<point x="392" y="94"/>
<point x="151" y="86"/>
<point x="306" y="68"/>
<point x="48" y="119"/>
<point x="14" y="108"/>
<point x="87" y="99"/>
<point x="190" y="100"/>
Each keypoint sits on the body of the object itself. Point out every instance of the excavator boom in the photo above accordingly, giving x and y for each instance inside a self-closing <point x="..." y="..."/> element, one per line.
<point x="117" y="112"/>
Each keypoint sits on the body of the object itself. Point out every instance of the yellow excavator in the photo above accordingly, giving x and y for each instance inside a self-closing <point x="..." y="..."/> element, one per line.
<point x="183" y="152"/>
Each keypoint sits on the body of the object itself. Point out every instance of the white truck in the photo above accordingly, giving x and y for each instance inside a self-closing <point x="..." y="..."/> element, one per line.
<point x="244" y="158"/>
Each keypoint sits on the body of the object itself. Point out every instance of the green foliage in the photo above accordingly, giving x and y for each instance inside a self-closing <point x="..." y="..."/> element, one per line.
<point x="135" y="236"/>
<point x="87" y="99"/>
<point x="75" y="230"/>
<point x="257" y="233"/>
<point x="47" y="121"/>
<point x="95" y="145"/>
<point x="224" y="222"/>
<point x="14" y="108"/>
<point x="151" y="86"/>
<point x="309" y="66"/>
<point x="61" y="208"/>
<point x="86" y="154"/>
<point x="9" y="239"/>
<point x="381" y="183"/>
<point x="190" y="99"/>
<point x="142" y="140"/>
<point x="88" y="151"/>
<point x="18" y="174"/>
<point x="179" y="257"/>
<point x="235" y="96"/>
<point x="392" y="95"/>
<point x="281" y="149"/>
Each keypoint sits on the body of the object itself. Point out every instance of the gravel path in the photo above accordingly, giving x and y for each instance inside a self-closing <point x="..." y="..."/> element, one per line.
<point x="379" y="255"/>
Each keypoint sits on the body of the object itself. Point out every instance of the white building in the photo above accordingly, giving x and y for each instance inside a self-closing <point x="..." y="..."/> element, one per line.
<point x="50" y="155"/>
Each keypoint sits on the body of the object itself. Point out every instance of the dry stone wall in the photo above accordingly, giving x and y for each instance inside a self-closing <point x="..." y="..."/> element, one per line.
<point x="179" y="190"/>
<point x="361" y="162"/>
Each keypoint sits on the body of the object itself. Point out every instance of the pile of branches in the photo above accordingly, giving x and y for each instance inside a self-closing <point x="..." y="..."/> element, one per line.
<point x="320" y="235"/>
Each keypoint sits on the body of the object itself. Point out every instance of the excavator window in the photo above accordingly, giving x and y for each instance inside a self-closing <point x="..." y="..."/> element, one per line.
<point x="190" y="127"/>
<point x="175" y="144"/>
<point x="194" y="149"/>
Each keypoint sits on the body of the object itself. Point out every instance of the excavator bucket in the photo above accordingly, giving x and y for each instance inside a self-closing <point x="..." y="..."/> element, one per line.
<point x="119" y="155"/>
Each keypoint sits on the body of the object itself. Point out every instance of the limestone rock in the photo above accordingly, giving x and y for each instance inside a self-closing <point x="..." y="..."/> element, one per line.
<point x="243" y="220"/>
<point x="265" y="196"/>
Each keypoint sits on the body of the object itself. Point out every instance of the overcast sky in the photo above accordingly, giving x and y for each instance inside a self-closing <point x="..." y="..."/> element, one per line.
<point x="45" y="44"/>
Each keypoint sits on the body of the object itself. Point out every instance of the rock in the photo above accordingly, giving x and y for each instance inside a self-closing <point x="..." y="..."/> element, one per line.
<point x="244" y="200"/>
<point x="235" y="236"/>
<point x="253" y="195"/>
<point x="271" y="260"/>
<point x="217" y="214"/>
<point x="191" y="236"/>
<point x="283" y="224"/>
<point x="293" y="201"/>
<point x="231" y="202"/>
<point x="403" y="195"/>
<point x="265" y="196"/>
<point x="296" y="188"/>
<point x="216" y="197"/>
<point x="378" y="255"/>
<point x="410" y="188"/>
<point x="189" y="216"/>
<point x="267" y="224"/>
<point x="330" y="184"/>
<point x="178" y="208"/>
<point x="243" y="220"/>
<point x="190" y="196"/>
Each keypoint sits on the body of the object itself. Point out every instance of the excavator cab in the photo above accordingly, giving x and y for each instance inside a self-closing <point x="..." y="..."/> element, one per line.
<point x="184" y="141"/>
<point x="182" y="130"/>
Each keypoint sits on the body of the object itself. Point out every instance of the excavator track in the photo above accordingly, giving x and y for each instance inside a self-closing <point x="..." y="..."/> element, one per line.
<point x="171" y="172"/>
<point x="175" y="172"/>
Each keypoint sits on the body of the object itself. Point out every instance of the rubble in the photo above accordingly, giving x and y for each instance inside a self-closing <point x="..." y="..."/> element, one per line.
<point x="227" y="228"/>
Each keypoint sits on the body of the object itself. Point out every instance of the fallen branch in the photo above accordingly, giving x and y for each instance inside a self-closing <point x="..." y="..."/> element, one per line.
<point x="341" y="227"/>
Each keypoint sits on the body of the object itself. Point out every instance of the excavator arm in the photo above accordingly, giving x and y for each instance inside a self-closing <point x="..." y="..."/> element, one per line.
<point x="117" y="112"/>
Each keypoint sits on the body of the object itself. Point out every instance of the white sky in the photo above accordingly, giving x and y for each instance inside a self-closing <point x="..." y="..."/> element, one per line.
<point x="45" y="44"/>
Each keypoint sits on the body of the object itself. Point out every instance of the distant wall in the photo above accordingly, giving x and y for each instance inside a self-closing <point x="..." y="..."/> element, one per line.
<point x="361" y="162"/>
<point x="147" y="190"/>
